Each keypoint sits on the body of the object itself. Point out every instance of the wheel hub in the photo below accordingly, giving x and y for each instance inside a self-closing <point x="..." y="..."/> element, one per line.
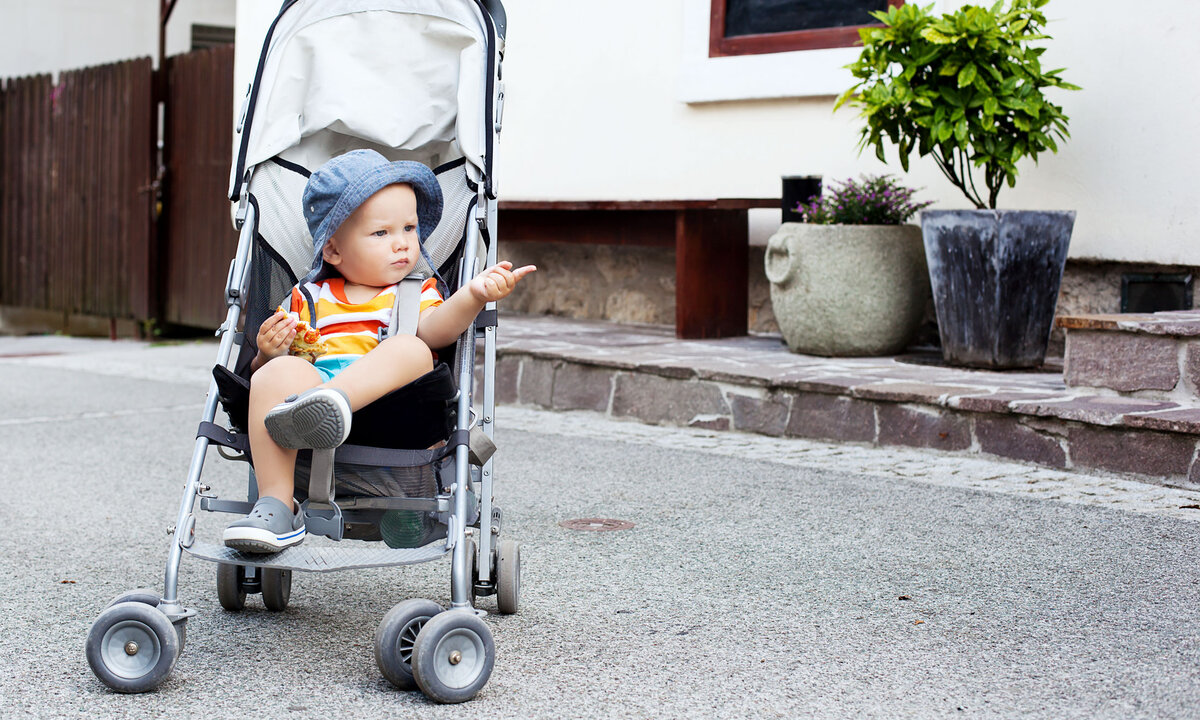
<point x="131" y="648"/>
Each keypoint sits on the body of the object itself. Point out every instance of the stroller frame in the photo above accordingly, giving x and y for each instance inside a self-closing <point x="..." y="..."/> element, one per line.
<point x="148" y="611"/>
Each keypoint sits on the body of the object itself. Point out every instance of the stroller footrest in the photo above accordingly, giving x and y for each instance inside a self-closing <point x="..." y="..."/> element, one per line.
<point x="308" y="558"/>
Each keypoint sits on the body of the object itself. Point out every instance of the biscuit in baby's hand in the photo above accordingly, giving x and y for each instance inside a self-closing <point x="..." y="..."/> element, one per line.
<point x="307" y="343"/>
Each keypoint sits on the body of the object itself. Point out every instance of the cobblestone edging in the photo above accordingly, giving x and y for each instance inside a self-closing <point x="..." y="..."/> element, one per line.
<point x="748" y="385"/>
<point x="890" y="463"/>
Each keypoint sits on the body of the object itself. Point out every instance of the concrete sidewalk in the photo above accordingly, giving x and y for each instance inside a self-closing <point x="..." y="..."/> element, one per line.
<point x="754" y="384"/>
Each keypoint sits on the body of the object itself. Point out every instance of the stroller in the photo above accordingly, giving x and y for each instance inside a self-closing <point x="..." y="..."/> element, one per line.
<point x="414" y="80"/>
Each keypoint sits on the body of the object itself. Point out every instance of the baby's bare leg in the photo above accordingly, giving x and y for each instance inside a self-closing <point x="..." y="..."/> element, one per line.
<point x="274" y="466"/>
<point x="391" y="365"/>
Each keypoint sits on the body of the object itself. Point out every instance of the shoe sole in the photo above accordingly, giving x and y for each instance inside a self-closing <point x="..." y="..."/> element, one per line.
<point x="315" y="421"/>
<point x="255" y="540"/>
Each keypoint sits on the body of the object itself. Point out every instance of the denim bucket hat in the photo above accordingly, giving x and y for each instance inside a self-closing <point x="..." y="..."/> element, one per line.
<point x="343" y="183"/>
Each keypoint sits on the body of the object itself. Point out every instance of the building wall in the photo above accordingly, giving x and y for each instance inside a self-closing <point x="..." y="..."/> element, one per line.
<point x="47" y="36"/>
<point x="619" y="101"/>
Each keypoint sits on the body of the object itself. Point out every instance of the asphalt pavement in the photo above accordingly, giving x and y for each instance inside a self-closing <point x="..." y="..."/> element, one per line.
<point x="761" y="577"/>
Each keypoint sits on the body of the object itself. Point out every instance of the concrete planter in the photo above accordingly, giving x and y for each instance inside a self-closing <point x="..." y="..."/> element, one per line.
<point x="846" y="290"/>
<point x="996" y="275"/>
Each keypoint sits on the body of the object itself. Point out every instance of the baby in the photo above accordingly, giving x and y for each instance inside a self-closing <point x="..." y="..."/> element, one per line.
<point x="369" y="219"/>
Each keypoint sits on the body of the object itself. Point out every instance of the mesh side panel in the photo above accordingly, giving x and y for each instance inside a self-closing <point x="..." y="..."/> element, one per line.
<point x="398" y="528"/>
<point x="281" y="221"/>
<point x="456" y="202"/>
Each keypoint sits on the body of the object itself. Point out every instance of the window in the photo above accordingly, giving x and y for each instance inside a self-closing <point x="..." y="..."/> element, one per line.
<point x="209" y="36"/>
<point x="753" y="27"/>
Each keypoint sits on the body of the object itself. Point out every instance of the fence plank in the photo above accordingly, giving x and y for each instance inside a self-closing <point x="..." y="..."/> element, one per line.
<point x="198" y="142"/>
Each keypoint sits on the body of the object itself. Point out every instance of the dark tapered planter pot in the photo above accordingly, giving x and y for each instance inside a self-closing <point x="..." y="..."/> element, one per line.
<point x="995" y="276"/>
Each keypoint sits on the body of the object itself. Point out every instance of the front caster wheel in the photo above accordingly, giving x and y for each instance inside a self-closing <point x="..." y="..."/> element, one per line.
<point x="132" y="647"/>
<point x="276" y="588"/>
<point x="453" y="656"/>
<point x="395" y="636"/>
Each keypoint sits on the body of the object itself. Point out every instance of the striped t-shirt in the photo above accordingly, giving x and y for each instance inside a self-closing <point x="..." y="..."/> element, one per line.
<point x="351" y="330"/>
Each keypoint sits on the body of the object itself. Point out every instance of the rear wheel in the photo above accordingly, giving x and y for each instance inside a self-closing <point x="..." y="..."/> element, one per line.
<point x="231" y="590"/>
<point x="276" y="588"/>
<point x="508" y="576"/>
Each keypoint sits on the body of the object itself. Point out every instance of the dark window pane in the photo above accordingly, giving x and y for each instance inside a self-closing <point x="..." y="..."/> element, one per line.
<point x="753" y="17"/>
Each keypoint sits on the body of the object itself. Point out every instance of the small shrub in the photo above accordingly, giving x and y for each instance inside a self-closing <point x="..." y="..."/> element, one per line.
<point x="876" y="200"/>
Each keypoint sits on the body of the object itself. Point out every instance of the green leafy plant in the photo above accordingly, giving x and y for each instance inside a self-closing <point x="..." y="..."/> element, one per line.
<point x="876" y="200"/>
<point x="965" y="87"/>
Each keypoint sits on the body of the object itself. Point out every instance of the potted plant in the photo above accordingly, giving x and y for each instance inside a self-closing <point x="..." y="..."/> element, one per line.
<point x="850" y="278"/>
<point x="966" y="89"/>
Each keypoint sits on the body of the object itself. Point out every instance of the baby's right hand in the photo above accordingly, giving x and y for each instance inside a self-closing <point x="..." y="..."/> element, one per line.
<point x="276" y="334"/>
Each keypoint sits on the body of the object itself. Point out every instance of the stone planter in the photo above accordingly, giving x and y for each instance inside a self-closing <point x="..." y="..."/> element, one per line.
<point x="846" y="290"/>
<point x="995" y="276"/>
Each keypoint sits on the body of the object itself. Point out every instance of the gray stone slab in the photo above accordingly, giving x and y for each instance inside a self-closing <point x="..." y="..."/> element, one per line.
<point x="928" y="393"/>
<point x="1132" y="451"/>
<point x="1092" y="410"/>
<point x="655" y="399"/>
<point x="767" y="416"/>
<point x="582" y="387"/>
<point x="833" y="417"/>
<point x="1121" y="361"/>
<point x="1007" y="436"/>
<point x="917" y="426"/>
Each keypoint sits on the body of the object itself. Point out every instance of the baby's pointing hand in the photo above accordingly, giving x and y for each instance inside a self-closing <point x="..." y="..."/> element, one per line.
<point x="498" y="281"/>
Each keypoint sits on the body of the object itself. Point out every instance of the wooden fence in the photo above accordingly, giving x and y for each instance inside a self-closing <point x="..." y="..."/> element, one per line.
<point x="76" y="191"/>
<point x="80" y="231"/>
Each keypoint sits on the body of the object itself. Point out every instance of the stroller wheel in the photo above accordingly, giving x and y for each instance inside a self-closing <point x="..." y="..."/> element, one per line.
<point x="395" y="636"/>
<point x="132" y="647"/>
<point x="276" y="588"/>
<point x="453" y="656"/>
<point x="230" y="589"/>
<point x="508" y="576"/>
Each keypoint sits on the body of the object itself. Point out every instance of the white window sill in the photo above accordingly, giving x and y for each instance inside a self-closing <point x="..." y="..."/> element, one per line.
<point x="805" y="73"/>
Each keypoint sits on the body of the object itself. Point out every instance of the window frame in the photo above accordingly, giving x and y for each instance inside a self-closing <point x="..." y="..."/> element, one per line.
<point x="764" y="43"/>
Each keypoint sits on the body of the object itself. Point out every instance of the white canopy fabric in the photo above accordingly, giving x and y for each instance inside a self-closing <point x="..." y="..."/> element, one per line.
<point x="405" y="77"/>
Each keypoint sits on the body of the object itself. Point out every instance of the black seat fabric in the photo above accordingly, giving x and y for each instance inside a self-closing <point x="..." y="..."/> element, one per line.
<point x="414" y="417"/>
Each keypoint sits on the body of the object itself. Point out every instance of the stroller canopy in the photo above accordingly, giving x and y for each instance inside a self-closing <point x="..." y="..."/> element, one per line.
<point x="408" y="78"/>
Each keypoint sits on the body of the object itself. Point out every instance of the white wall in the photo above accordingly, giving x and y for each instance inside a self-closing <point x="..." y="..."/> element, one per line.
<point x="618" y="101"/>
<point x="46" y="36"/>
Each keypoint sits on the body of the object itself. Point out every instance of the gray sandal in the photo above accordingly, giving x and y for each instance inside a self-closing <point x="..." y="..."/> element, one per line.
<point x="317" y="418"/>
<point x="270" y="527"/>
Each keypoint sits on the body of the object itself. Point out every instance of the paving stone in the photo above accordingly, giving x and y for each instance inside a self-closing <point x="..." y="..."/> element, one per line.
<point x="1184" y="420"/>
<point x="831" y="417"/>
<point x="1191" y="369"/>
<point x="998" y="402"/>
<point x="767" y="416"/>
<point x="1121" y="361"/>
<point x="536" y="382"/>
<point x="1133" y="451"/>
<point x="810" y="383"/>
<point x="655" y="399"/>
<point x="508" y="371"/>
<point x="910" y="391"/>
<point x="1009" y="437"/>
<point x="582" y="387"/>
<point x="1095" y="410"/>
<point x="923" y="427"/>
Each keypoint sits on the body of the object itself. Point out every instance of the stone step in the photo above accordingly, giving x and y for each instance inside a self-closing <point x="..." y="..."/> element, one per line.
<point x="753" y="384"/>
<point x="1154" y="356"/>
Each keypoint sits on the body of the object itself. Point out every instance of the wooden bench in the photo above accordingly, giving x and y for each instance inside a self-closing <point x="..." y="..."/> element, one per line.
<point x="710" y="238"/>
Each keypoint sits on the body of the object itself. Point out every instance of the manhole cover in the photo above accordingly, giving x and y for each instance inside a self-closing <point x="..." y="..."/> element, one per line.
<point x="596" y="524"/>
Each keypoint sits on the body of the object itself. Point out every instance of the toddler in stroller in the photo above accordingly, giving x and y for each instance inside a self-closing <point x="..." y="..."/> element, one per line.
<point x="368" y="218"/>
